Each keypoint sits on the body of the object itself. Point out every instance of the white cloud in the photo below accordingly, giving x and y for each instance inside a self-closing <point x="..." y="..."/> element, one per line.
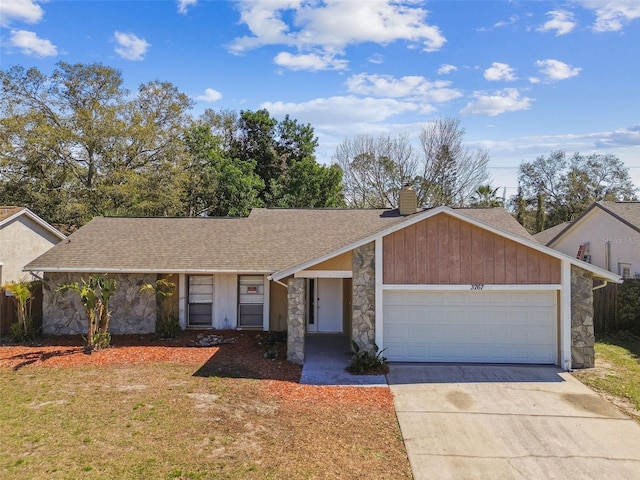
<point x="503" y="23"/>
<point x="312" y="62"/>
<point x="507" y="100"/>
<point x="183" y="5"/>
<point x="210" y="96"/>
<point x="344" y="110"/>
<point x="409" y="87"/>
<point x="557" y="70"/>
<point x="27" y="11"/>
<point x="534" y="80"/>
<point x="30" y="44"/>
<point x="130" y="47"/>
<point x="562" y="22"/>
<point x="612" y="15"/>
<point x="376" y="59"/>
<point x="333" y="25"/>
<point x="446" y="69"/>
<point x="499" y="71"/>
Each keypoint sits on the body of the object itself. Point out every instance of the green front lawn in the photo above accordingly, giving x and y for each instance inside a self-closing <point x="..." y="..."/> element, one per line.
<point x="617" y="371"/>
<point x="160" y="421"/>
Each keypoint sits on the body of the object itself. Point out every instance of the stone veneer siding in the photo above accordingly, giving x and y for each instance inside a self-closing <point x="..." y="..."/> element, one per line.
<point x="296" y="318"/>
<point x="364" y="296"/>
<point x="582" y="334"/>
<point x="132" y="311"/>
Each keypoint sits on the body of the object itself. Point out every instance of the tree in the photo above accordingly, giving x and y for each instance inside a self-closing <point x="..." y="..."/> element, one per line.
<point x="451" y="171"/>
<point x="280" y="153"/>
<point x="95" y="296"/>
<point x="74" y="144"/>
<point x="216" y="185"/>
<point x="307" y="184"/>
<point x="21" y="291"/>
<point x="486" y="196"/>
<point x="445" y="172"/>
<point x="570" y="185"/>
<point x="375" y="169"/>
<point x="540" y="213"/>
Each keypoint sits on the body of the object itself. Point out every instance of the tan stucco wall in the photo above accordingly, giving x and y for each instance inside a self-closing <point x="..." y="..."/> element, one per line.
<point x="21" y="241"/>
<point x="341" y="262"/>
<point x="278" y="307"/>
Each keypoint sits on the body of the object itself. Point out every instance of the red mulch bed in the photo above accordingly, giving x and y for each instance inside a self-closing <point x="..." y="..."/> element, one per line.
<point x="229" y="359"/>
<point x="243" y="359"/>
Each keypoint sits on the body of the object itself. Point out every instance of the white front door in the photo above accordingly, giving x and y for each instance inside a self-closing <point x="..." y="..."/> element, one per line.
<point x="324" y="305"/>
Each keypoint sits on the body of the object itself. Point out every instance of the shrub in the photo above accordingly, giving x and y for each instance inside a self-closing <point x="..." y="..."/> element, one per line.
<point x="365" y="362"/>
<point x="167" y="323"/>
<point x="629" y="304"/>
<point x="23" y="330"/>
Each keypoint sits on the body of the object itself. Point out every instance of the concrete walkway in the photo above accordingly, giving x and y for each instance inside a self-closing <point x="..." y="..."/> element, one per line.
<point x="325" y="360"/>
<point x="510" y="422"/>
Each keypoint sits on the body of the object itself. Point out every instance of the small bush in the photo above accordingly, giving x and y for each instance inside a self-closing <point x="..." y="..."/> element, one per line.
<point x="629" y="304"/>
<point x="364" y="362"/>
<point x="167" y="326"/>
<point x="270" y="339"/>
<point x="23" y="332"/>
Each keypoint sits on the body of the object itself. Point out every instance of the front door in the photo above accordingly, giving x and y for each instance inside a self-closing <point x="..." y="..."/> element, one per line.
<point x="324" y="305"/>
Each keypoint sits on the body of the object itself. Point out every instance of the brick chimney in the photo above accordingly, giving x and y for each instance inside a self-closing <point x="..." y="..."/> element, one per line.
<point x="407" y="200"/>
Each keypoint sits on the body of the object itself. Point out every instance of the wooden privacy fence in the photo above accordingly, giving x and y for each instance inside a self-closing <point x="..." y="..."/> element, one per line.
<point x="605" y="309"/>
<point x="616" y="307"/>
<point x="9" y="313"/>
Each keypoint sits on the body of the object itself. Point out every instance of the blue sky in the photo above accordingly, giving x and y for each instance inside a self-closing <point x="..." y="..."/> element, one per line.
<point x="524" y="77"/>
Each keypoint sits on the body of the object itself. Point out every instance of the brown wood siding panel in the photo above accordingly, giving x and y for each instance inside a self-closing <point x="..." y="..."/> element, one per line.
<point x="454" y="252"/>
<point x="410" y="253"/>
<point x="465" y="253"/>
<point x="522" y="264"/>
<point x="510" y="262"/>
<point x="488" y="257"/>
<point x="555" y="276"/>
<point x="447" y="251"/>
<point x="399" y="257"/>
<point x="533" y="273"/>
<point x="544" y="268"/>
<point x="477" y="262"/>
<point x="443" y="249"/>
<point x="432" y="245"/>
<point x="422" y="254"/>
<point x="388" y="259"/>
<point x="500" y="257"/>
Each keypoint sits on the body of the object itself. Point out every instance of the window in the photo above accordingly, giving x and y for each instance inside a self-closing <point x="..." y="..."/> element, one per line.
<point x="200" y="300"/>
<point x="624" y="270"/>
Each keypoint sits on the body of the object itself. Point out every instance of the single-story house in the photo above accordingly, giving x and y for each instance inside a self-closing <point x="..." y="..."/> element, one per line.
<point x="607" y="235"/>
<point x="435" y="285"/>
<point x="23" y="237"/>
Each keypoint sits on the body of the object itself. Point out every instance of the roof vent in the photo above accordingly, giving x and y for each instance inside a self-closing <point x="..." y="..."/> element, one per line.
<point x="407" y="200"/>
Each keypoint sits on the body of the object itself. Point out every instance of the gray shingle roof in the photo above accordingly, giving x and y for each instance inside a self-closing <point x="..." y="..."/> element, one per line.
<point x="627" y="211"/>
<point x="545" y="236"/>
<point x="267" y="241"/>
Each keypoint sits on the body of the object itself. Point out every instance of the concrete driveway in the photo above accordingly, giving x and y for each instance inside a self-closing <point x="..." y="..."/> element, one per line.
<point x="510" y="422"/>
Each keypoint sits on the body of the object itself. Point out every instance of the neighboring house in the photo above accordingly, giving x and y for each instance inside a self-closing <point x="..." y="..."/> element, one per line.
<point x="607" y="235"/>
<point x="23" y="237"/>
<point x="437" y="285"/>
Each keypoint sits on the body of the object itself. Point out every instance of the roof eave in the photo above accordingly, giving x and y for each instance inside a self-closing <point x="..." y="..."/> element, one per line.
<point x="597" y="271"/>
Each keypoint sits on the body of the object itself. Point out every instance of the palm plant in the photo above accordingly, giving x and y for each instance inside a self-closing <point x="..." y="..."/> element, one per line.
<point x="95" y="295"/>
<point x="21" y="291"/>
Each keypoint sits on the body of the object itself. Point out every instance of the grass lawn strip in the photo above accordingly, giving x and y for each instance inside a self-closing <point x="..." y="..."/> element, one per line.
<point x="168" y="420"/>
<point x="617" y="372"/>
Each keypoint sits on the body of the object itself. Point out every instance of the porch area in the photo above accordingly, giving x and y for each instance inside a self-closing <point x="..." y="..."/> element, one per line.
<point x="327" y="357"/>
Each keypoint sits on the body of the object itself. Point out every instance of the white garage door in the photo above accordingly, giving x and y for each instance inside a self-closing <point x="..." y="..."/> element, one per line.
<point x="470" y="326"/>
